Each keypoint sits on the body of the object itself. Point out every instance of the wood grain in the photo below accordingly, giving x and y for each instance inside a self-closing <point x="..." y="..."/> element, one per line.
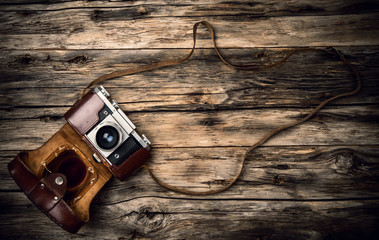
<point x="165" y="218"/>
<point x="136" y="27"/>
<point x="344" y="125"/>
<point x="278" y="172"/>
<point x="319" y="180"/>
<point x="203" y="83"/>
<point x="206" y="8"/>
<point x="340" y="184"/>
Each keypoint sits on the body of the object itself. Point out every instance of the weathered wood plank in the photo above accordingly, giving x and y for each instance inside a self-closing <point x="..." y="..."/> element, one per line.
<point x="287" y="173"/>
<point x="56" y="77"/>
<point x="80" y="29"/>
<point x="160" y="218"/>
<point x="258" y="8"/>
<point x="333" y="126"/>
<point x="316" y="181"/>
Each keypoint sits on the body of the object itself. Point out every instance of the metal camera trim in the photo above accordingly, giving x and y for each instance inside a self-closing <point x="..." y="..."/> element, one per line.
<point x="91" y="136"/>
<point x="117" y="118"/>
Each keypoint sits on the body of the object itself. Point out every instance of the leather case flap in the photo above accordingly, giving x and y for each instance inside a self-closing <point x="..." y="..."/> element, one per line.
<point x="46" y="194"/>
<point x="85" y="113"/>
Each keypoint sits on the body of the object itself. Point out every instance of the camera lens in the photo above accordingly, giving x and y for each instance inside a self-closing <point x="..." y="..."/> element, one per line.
<point x="107" y="137"/>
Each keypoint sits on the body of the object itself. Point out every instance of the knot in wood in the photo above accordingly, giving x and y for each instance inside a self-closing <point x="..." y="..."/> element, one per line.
<point x="346" y="161"/>
<point x="21" y="61"/>
<point x="149" y="218"/>
<point x="78" y="59"/>
<point x="277" y="180"/>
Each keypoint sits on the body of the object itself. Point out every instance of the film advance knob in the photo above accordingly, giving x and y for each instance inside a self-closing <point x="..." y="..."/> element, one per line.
<point x="115" y="104"/>
<point x="104" y="92"/>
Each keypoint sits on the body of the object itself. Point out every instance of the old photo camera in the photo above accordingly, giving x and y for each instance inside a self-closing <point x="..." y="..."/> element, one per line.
<point x="108" y="131"/>
<point x="63" y="175"/>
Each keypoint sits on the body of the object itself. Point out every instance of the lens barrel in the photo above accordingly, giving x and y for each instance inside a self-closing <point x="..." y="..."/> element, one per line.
<point x="107" y="137"/>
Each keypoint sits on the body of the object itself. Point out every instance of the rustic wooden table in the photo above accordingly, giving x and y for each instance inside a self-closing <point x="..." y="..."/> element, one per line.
<point x="319" y="180"/>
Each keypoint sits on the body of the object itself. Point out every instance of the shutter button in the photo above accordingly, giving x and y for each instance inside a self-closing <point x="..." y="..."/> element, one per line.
<point x="59" y="181"/>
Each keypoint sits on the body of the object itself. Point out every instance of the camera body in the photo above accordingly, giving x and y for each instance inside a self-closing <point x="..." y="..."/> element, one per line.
<point x="109" y="132"/>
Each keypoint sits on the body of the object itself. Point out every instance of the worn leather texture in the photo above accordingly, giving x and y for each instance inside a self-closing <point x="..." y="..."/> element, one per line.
<point x="130" y="165"/>
<point x="46" y="196"/>
<point x="66" y="158"/>
<point x="41" y="174"/>
<point x="84" y="114"/>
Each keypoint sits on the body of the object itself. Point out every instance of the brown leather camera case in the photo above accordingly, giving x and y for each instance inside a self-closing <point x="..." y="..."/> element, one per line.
<point x="61" y="178"/>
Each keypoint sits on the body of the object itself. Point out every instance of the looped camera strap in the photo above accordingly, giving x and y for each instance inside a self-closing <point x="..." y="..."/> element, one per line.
<point x="266" y="137"/>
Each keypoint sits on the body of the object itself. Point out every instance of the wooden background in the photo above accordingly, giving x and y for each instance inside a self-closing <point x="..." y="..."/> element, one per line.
<point x="319" y="180"/>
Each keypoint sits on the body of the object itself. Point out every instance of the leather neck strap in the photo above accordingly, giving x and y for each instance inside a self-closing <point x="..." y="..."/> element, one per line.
<point x="270" y="134"/>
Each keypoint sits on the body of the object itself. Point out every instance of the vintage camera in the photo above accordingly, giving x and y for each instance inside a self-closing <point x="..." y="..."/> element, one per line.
<point x="63" y="176"/>
<point x="109" y="132"/>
